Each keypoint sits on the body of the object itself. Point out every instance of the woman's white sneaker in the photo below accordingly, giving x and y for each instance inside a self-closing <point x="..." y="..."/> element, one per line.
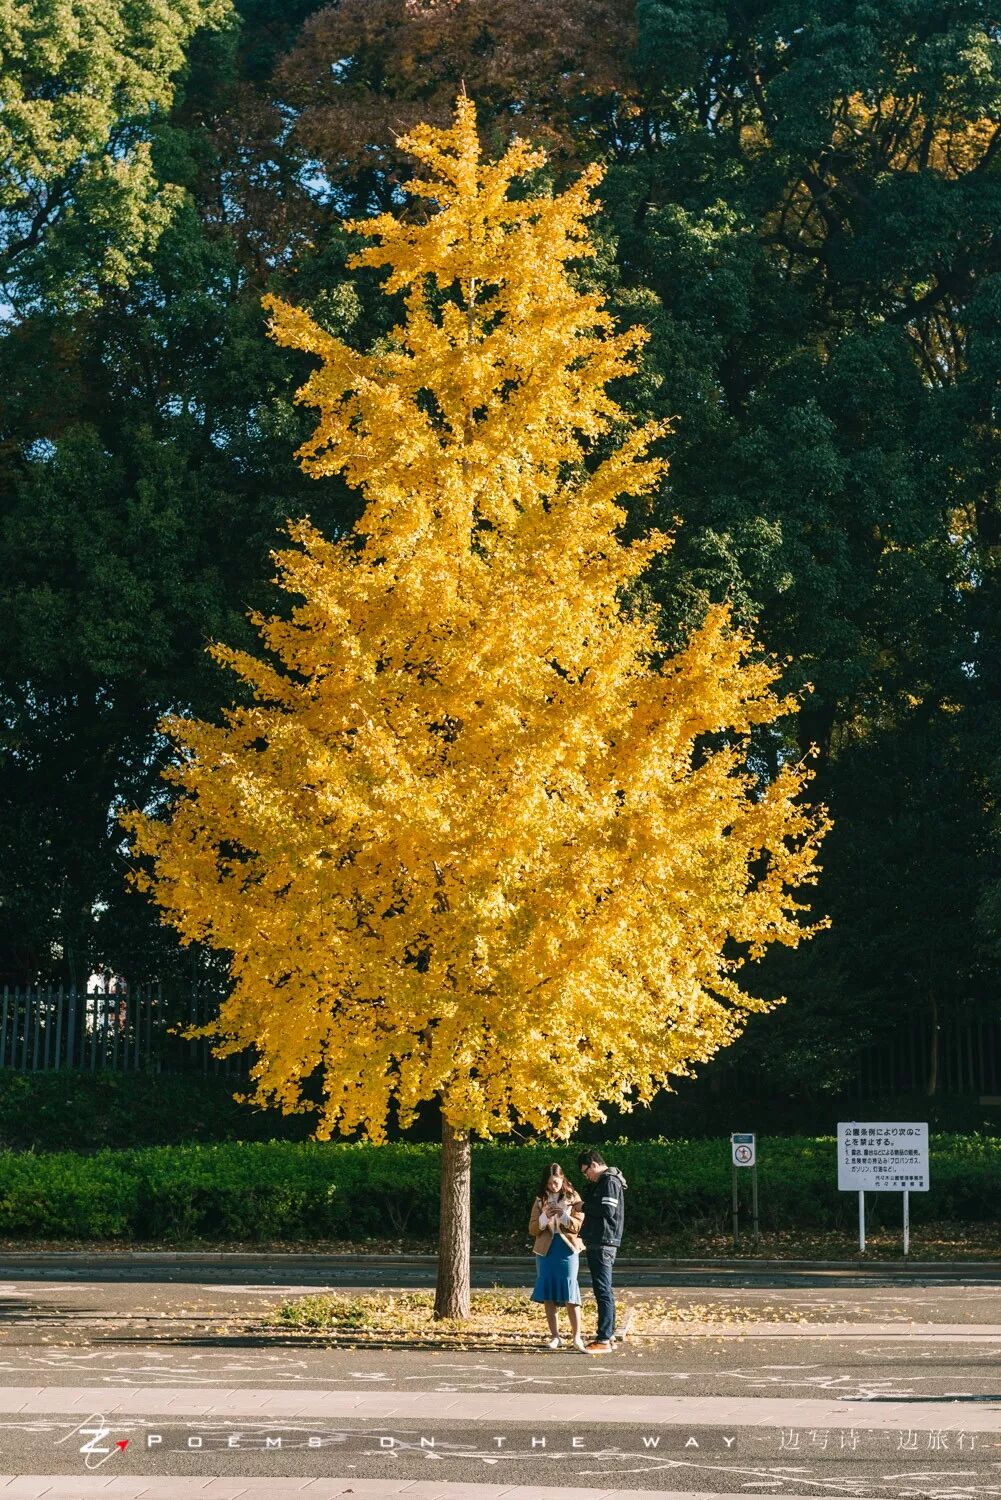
<point x="579" y="1345"/>
<point x="556" y="1343"/>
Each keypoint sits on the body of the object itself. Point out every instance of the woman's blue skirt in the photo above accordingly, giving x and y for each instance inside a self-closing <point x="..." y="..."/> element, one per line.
<point x="556" y="1274"/>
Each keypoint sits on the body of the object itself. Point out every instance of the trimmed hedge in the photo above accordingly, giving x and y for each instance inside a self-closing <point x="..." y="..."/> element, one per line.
<point x="285" y="1190"/>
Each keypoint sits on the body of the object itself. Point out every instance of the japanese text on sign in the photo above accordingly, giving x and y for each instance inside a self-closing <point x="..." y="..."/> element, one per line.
<point x="881" y="1156"/>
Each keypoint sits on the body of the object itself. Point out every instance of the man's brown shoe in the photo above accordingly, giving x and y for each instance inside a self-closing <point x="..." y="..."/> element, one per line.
<point x="599" y="1346"/>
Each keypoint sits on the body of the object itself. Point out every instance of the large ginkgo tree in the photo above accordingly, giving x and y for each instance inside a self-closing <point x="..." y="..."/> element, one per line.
<point x="477" y="839"/>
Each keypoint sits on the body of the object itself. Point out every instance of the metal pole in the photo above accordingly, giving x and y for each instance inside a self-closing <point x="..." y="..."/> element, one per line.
<point x="48" y="1031"/>
<point x="93" y="1035"/>
<point x="115" y="1027"/>
<point x="71" y="1029"/>
<point x="38" y="1029"/>
<point x="861" y="1221"/>
<point x="754" y="1203"/>
<point x="907" y="1221"/>
<point x="27" y="1023"/>
<point x="733" y="1174"/>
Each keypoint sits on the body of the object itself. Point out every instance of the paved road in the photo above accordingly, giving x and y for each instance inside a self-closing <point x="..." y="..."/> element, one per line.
<point x="419" y="1271"/>
<point x="866" y="1390"/>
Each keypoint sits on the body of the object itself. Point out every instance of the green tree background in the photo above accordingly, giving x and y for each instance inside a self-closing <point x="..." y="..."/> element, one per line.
<point x="803" y="204"/>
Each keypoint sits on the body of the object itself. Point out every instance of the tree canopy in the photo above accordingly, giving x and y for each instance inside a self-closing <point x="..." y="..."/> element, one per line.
<point x="476" y="831"/>
<point x="81" y="203"/>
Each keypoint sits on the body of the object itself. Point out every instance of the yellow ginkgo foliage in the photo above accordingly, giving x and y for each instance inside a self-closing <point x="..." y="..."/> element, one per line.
<point x="476" y="839"/>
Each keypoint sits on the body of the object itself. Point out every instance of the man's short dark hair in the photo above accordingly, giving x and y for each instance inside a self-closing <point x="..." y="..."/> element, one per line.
<point x="591" y="1159"/>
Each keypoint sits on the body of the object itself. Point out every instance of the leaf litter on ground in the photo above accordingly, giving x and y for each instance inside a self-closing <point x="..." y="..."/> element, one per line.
<point x="499" y="1314"/>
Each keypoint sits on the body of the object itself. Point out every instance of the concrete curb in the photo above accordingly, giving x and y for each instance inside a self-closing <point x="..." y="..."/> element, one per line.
<point x="234" y="1259"/>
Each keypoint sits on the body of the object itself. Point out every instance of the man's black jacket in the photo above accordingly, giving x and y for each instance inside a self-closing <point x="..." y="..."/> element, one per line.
<point x="604" y="1209"/>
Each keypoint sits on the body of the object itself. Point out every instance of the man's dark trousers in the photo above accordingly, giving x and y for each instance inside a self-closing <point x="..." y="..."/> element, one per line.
<point x="600" y="1260"/>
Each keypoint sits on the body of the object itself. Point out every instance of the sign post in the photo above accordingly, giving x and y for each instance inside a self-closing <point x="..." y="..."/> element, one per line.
<point x="754" y="1204"/>
<point x="744" y="1153"/>
<point x="733" y="1174"/>
<point x="883" y="1157"/>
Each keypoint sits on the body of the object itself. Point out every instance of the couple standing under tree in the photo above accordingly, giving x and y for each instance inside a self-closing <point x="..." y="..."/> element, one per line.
<point x="562" y="1222"/>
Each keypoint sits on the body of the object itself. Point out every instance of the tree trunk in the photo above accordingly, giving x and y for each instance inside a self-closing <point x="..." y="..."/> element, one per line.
<point x="451" y="1298"/>
<point x="931" y="1088"/>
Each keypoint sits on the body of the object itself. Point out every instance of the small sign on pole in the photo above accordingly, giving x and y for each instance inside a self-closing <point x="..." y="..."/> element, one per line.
<point x="883" y="1157"/>
<point x="743" y="1153"/>
<point x="743" y="1148"/>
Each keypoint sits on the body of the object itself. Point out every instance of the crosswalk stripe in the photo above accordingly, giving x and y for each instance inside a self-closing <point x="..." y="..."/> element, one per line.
<point x="83" y="1487"/>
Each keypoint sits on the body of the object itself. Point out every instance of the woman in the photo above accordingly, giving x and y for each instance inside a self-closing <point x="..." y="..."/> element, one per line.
<point x="557" y="1214"/>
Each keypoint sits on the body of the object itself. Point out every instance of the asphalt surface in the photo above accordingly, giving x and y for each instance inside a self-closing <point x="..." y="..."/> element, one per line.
<point x="375" y="1271"/>
<point x="795" y="1385"/>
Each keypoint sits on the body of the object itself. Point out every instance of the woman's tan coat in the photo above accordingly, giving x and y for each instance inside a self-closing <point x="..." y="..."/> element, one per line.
<point x="569" y="1232"/>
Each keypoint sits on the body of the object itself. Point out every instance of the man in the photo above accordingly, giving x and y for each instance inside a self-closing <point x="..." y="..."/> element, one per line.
<point x="604" y="1218"/>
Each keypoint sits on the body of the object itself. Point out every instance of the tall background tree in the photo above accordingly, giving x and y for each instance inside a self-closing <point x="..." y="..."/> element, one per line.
<point x="138" y="496"/>
<point x="818" y="210"/>
<point x="81" y="203"/>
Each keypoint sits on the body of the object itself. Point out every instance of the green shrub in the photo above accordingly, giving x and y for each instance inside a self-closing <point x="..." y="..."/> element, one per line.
<point x="66" y="1197"/>
<point x="234" y="1192"/>
<point x="279" y="1190"/>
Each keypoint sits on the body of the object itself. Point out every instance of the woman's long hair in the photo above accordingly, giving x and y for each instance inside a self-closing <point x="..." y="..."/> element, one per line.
<point x="551" y="1171"/>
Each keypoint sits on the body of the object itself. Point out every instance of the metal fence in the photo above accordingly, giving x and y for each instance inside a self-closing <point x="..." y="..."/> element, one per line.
<point x="960" y="1056"/>
<point x="43" y="1029"/>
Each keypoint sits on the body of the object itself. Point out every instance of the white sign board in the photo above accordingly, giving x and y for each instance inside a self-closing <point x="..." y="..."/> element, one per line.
<point x="742" y="1147"/>
<point x="882" y="1157"/>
